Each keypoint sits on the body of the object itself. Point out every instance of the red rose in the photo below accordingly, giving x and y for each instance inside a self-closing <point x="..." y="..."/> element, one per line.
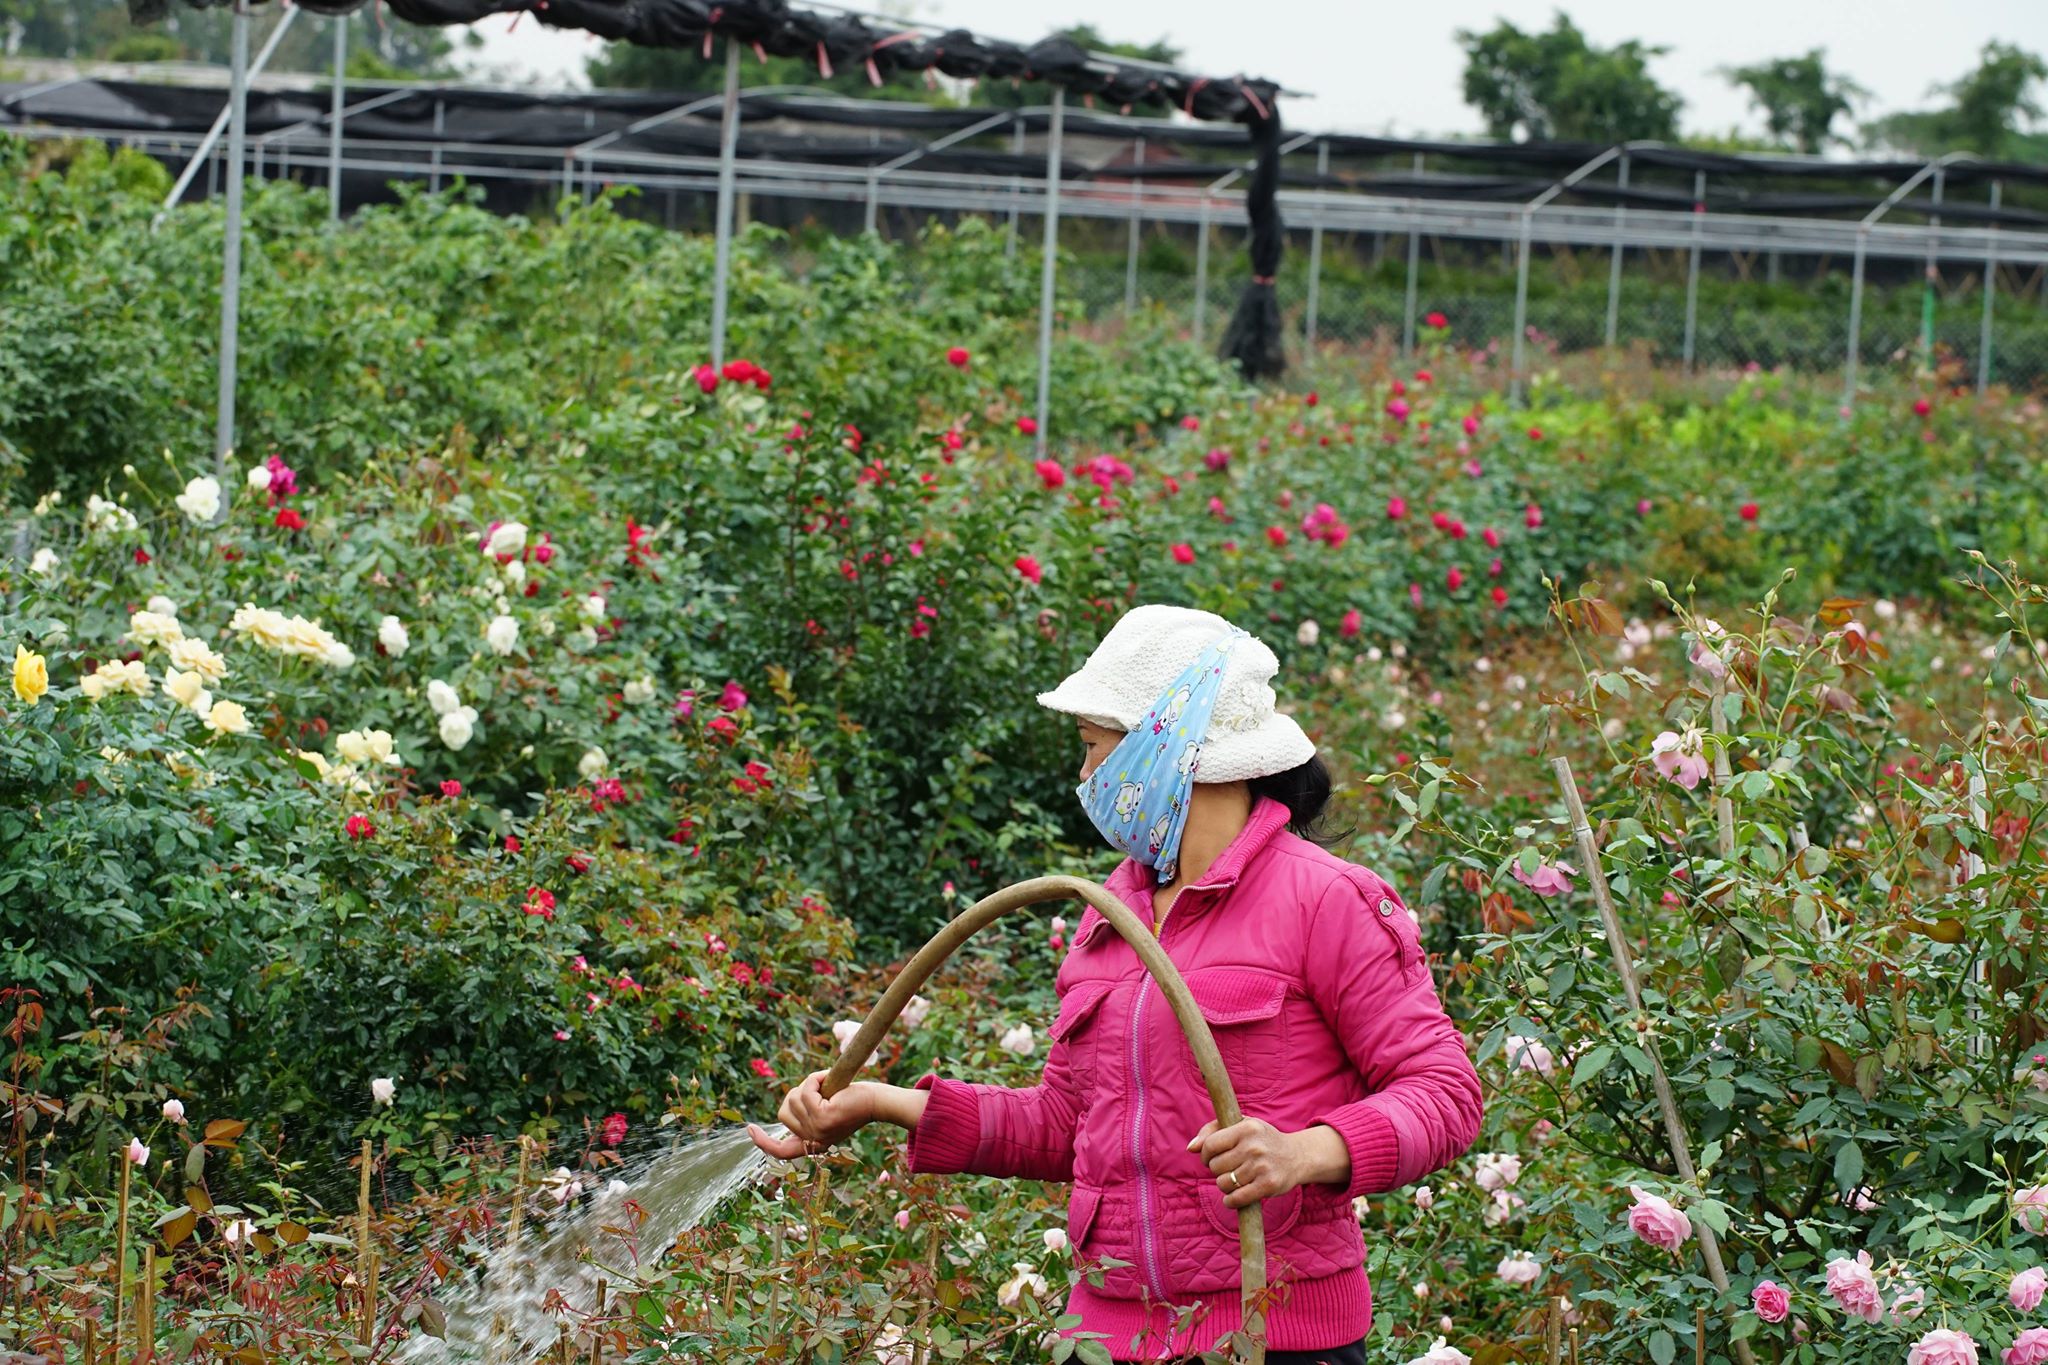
<point x="451" y="789"/>
<point x="1437" y="320"/>
<point x="957" y="357"/>
<point x="1027" y="425"/>
<point x="1050" y="472"/>
<point x="1748" y="511"/>
<point x="288" y="519"/>
<point x="1029" y="567"/>
<point x="359" y="827"/>
<point x="614" y="1130"/>
<point x="1183" y="553"/>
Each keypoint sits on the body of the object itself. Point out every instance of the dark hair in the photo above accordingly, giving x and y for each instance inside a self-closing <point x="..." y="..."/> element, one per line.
<point x="1305" y="791"/>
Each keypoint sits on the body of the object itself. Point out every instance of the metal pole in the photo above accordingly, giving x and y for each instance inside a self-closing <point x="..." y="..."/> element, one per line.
<point x="1990" y="284"/>
<point x="728" y="152"/>
<point x="1855" y="322"/>
<point x="1315" y="249"/>
<point x="1202" y="269"/>
<point x="1016" y="189"/>
<point x="334" y="133"/>
<point x="231" y="253"/>
<point x="1414" y="278"/>
<point x="1131" y="243"/>
<point x="1614" y="261"/>
<point x="1521" y="309"/>
<point x="1049" y="266"/>
<point x="434" y="175"/>
<point x="212" y="139"/>
<point x="867" y="218"/>
<point x="1692" y="269"/>
<point x="1933" y="273"/>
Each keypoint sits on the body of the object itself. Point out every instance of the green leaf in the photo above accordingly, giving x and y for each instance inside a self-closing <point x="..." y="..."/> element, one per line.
<point x="1806" y="1052"/>
<point x="1591" y="1064"/>
<point x="1719" y="1093"/>
<point x="1663" y="1349"/>
<point x="1848" y="1165"/>
<point x="1744" y="1328"/>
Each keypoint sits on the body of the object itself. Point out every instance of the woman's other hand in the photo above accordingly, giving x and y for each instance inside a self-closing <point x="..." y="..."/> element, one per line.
<point x="1253" y="1160"/>
<point x="815" y="1122"/>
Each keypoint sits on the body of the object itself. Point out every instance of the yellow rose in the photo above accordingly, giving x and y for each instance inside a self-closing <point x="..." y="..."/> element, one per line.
<point x="31" y="675"/>
<point x="199" y="657"/>
<point x="227" y="718"/>
<point x="186" y="689"/>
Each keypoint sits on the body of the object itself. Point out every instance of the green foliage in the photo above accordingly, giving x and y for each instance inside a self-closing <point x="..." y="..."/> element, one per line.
<point x="1557" y="85"/>
<point x="1988" y="106"/>
<point x="1800" y="98"/>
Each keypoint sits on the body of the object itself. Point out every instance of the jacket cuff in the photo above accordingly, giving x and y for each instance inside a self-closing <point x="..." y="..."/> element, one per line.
<point x="948" y="1133"/>
<point x="1374" y="1146"/>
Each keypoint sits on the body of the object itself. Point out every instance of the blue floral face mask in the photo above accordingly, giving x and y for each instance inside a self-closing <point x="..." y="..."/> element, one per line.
<point x="1138" y="795"/>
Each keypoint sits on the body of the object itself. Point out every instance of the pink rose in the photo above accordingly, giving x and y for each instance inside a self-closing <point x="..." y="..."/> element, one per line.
<point x="1943" y="1347"/>
<point x="2030" y="1206"/>
<point x="1518" y="1268"/>
<point x="1855" y="1288"/>
<point x="1549" y="879"/>
<point x="1771" y="1301"/>
<point x="902" y="1218"/>
<point x="1424" y="1197"/>
<point x="2030" y="1348"/>
<point x="2027" y="1287"/>
<point x="1679" y="757"/>
<point x="1655" y="1220"/>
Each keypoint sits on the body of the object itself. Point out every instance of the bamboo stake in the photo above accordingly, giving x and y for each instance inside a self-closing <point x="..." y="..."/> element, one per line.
<point x="120" y="1257"/>
<point x="1575" y="1346"/>
<point x="562" y="1353"/>
<point x="1624" y="965"/>
<point x="1724" y="808"/>
<point x="92" y="1342"/>
<point x="145" y="1308"/>
<point x="500" y="1330"/>
<point x="596" y="1340"/>
<point x="366" y="1326"/>
<point x="1699" y="1335"/>
<point x="1554" y="1331"/>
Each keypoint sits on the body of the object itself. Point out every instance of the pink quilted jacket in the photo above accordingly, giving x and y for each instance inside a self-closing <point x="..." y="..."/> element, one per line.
<point x="1310" y="974"/>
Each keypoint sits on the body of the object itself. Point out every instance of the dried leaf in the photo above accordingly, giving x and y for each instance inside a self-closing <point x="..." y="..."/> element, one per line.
<point x="1839" y="1064"/>
<point x="223" y="1132"/>
<point x="199" y="1199"/>
<point x="177" y="1226"/>
<point x="291" y="1234"/>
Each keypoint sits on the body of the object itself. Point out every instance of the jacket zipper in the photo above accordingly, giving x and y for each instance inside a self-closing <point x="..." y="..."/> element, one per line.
<point x="1147" y="1224"/>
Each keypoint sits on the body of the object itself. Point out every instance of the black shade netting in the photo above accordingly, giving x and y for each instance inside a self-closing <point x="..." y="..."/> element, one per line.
<point x="1255" y="339"/>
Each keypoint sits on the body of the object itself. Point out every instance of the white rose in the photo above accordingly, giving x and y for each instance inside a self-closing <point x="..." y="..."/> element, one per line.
<point x="515" y="573"/>
<point x="201" y="499"/>
<point x="392" y="635"/>
<point x="259" y="478"/>
<point x="161" y="605"/>
<point x="640" y="690"/>
<point x="1014" y="1288"/>
<point x="914" y="1011"/>
<point x="582" y="640"/>
<point x="1055" y="1240"/>
<point x="508" y="539"/>
<point x="502" y="634"/>
<point x="844" y="1031"/>
<point x="152" y="628"/>
<point x="457" y="726"/>
<point x="1018" y="1040"/>
<point x="353" y="746"/>
<point x="1307" y="633"/>
<point x="44" y="562"/>
<point x="593" y="608"/>
<point x="383" y="1090"/>
<point x="592" y="764"/>
<point x="442" y="697"/>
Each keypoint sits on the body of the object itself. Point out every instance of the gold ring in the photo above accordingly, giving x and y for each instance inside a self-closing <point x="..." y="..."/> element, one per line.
<point x="1233" y="1178"/>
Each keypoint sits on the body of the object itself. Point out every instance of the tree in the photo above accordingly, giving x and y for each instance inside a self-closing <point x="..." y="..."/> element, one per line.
<point x="1799" y="98"/>
<point x="1985" y="114"/>
<point x="1557" y="85"/>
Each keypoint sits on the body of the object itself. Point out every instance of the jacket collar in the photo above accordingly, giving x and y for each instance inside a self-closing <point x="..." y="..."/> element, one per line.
<point x="1267" y="819"/>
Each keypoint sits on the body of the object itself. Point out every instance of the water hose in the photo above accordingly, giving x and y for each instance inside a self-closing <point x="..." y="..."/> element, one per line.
<point x="1251" y="1225"/>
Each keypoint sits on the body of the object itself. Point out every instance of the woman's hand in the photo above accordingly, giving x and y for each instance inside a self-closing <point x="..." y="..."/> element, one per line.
<point x="1253" y="1160"/>
<point x="814" y="1121"/>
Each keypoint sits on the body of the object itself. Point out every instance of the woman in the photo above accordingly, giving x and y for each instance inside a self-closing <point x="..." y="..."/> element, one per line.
<point x="1309" y="972"/>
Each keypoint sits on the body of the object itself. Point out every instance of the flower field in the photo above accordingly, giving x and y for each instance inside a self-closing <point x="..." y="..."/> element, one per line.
<point x="533" y="741"/>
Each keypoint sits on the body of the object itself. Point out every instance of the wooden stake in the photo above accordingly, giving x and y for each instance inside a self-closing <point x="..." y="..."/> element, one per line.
<point x="120" y="1256"/>
<point x="1624" y="965"/>
<point x="1575" y="1346"/>
<point x="92" y="1342"/>
<point x="365" y="1275"/>
<point x="1699" y="1338"/>
<point x="1554" y="1331"/>
<point x="597" y="1340"/>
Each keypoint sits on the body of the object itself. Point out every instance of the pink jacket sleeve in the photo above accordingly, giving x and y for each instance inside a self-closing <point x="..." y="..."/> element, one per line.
<point x="1366" y="972"/>
<point x="975" y="1129"/>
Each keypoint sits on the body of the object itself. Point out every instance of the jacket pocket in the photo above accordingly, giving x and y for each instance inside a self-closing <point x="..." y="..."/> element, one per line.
<point x="1075" y="1034"/>
<point x="1082" y="1202"/>
<point x="1244" y="1009"/>
<point x="1282" y="1211"/>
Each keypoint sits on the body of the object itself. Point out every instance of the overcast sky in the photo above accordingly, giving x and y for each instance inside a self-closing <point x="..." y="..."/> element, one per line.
<point x="1394" y="67"/>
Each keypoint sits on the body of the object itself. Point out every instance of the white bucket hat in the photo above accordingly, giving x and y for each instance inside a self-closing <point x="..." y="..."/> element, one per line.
<point x="1146" y="650"/>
